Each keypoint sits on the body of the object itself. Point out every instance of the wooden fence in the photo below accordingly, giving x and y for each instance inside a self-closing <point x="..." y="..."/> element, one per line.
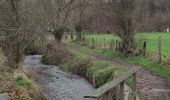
<point x="120" y="81"/>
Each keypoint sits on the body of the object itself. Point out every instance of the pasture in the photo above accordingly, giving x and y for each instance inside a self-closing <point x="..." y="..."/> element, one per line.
<point x="151" y="38"/>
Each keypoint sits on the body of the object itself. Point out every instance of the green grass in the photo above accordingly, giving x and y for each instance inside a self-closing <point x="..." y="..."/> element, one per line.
<point x="104" y="71"/>
<point x="151" y="39"/>
<point x="151" y="65"/>
<point x="145" y="62"/>
<point x="23" y="82"/>
<point x="65" y="67"/>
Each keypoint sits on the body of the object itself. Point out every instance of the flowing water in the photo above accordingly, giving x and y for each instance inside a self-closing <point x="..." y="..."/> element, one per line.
<point x="56" y="84"/>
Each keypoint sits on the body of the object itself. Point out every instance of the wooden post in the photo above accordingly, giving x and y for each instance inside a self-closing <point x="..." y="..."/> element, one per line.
<point x="159" y="50"/>
<point x="104" y="43"/>
<point x="134" y="86"/>
<point x="120" y="46"/>
<point x="71" y="36"/>
<point x="118" y="92"/>
<point x="92" y="43"/>
<point x="110" y="45"/>
<point x="144" y="48"/>
<point x="121" y="96"/>
<point x="116" y="49"/>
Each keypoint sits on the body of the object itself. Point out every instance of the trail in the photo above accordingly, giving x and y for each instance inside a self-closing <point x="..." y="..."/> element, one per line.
<point x="153" y="87"/>
<point x="56" y="84"/>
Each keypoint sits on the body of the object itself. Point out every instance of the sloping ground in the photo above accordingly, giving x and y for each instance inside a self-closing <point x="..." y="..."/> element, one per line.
<point x="151" y="86"/>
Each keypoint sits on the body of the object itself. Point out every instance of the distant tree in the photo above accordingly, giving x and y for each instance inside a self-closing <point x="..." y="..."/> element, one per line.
<point x="124" y="14"/>
<point x="80" y="21"/>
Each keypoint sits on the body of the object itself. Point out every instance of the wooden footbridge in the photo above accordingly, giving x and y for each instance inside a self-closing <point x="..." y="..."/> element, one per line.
<point x="114" y="90"/>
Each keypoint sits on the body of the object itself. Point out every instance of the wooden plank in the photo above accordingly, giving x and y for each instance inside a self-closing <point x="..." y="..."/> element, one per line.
<point x="134" y="86"/>
<point x="98" y="92"/>
<point x="121" y="96"/>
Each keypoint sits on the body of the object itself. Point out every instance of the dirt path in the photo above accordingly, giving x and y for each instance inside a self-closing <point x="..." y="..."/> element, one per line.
<point x="151" y="86"/>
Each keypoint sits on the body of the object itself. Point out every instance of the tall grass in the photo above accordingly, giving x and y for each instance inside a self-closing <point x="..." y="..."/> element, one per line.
<point x="5" y="72"/>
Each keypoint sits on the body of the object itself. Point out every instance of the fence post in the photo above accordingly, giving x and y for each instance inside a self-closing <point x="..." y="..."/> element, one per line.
<point x="134" y="86"/>
<point x="144" y="48"/>
<point x="159" y="50"/>
<point x="120" y="46"/>
<point x="92" y="43"/>
<point x="121" y="91"/>
<point x="71" y="36"/>
<point x="110" y="45"/>
<point x="104" y="43"/>
<point x="118" y="92"/>
<point x="116" y="49"/>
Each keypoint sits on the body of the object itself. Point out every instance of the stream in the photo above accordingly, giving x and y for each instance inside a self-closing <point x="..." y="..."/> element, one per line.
<point x="55" y="83"/>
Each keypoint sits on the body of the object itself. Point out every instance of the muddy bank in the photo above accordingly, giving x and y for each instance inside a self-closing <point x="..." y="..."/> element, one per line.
<point x="56" y="84"/>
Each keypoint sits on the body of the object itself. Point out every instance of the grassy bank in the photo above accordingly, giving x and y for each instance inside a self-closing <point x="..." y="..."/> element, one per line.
<point x="16" y="83"/>
<point x="146" y="63"/>
<point x="97" y="72"/>
<point x="79" y="63"/>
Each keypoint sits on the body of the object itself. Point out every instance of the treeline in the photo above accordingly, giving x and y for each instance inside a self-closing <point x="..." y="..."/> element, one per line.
<point x="23" y="22"/>
<point x="149" y="15"/>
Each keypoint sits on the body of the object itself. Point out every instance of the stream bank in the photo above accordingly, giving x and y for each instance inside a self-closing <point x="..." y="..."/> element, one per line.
<point x="55" y="83"/>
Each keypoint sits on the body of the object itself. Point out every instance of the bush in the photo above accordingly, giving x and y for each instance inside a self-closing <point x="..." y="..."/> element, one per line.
<point x="55" y="54"/>
<point x="80" y="65"/>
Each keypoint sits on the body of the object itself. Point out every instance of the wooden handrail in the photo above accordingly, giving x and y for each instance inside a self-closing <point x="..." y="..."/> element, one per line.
<point x="110" y="85"/>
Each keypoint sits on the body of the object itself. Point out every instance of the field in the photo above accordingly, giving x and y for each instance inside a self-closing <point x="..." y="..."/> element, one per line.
<point x="151" y="38"/>
<point x="149" y="63"/>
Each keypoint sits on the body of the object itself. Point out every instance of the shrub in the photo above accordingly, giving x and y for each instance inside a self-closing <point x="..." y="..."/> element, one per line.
<point x="55" y="54"/>
<point x="80" y="66"/>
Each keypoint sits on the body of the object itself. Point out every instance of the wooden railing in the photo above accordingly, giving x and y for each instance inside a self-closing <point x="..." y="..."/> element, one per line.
<point x="103" y="92"/>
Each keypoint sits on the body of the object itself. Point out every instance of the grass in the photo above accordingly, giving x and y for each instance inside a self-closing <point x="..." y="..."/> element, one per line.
<point x="145" y="62"/>
<point x="104" y="71"/>
<point x="100" y="72"/>
<point x="151" y="39"/>
<point x="23" y="82"/>
<point x="97" y="72"/>
<point x="151" y="65"/>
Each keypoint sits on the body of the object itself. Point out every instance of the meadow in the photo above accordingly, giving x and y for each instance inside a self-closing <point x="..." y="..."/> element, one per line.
<point x="151" y="38"/>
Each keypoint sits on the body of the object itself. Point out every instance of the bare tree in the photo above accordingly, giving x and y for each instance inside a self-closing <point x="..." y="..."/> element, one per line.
<point x="124" y="10"/>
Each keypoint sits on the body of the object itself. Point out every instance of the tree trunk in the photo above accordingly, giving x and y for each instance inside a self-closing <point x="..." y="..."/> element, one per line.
<point x="128" y="46"/>
<point x="58" y="34"/>
<point x="78" y="37"/>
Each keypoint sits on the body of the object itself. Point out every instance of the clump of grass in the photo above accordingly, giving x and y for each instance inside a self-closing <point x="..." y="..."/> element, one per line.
<point x="65" y="67"/>
<point x="102" y="71"/>
<point x="79" y="64"/>
<point x="5" y="71"/>
<point x="24" y="83"/>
